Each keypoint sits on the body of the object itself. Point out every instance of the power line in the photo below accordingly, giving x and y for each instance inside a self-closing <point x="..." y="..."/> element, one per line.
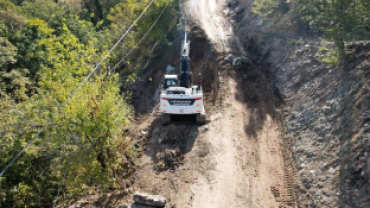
<point x="64" y="177"/>
<point x="74" y="92"/>
<point x="151" y="27"/>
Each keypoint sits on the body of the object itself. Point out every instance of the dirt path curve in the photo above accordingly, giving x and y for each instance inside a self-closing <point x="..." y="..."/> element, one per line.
<point x="209" y="15"/>
<point x="251" y="167"/>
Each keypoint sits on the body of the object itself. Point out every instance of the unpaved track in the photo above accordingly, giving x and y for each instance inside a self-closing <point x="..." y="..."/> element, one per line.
<point x="250" y="169"/>
<point x="209" y="15"/>
<point x="241" y="160"/>
<point x="252" y="163"/>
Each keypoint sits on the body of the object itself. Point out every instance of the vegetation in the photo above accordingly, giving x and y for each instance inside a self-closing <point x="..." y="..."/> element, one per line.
<point x="336" y="20"/>
<point x="46" y="51"/>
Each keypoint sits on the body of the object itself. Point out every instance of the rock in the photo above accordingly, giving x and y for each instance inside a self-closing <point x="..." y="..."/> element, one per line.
<point x="366" y="171"/>
<point x="309" y="154"/>
<point x="307" y="182"/>
<point x="161" y="166"/>
<point x="239" y="9"/>
<point x="143" y="132"/>
<point x="138" y="205"/>
<point x="150" y="200"/>
<point x="80" y="204"/>
<point x="216" y="116"/>
<point x="246" y="61"/>
<point x="326" y="110"/>
<point x="233" y="2"/>
<point x="160" y="140"/>
<point x="122" y="206"/>
<point x="245" y="76"/>
<point x="367" y="117"/>
<point x="238" y="62"/>
<point x="229" y="58"/>
<point x="206" y="128"/>
<point x="322" y="166"/>
<point x="169" y="69"/>
<point x="158" y="157"/>
<point x="233" y="16"/>
<point x="302" y="166"/>
<point x="171" y="156"/>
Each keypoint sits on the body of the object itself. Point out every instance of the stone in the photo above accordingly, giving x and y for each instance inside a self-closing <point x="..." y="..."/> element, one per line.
<point x="160" y="140"/>
<point x="122" y="206"/>
<point x="143" y="132"/>
<point x="233" y="2"/>
<point x="150" y="200"/>
<point x="233" y="16"/>
<point x="229" y="58"/>
<point x="158" y="157"/>
<point x="307" y="182"/>
<point x="161" y="166"/>
<point x="322" y="166"/>
<point x="246" y="61"/>
<point x="206" y="128"/>
<point x="216" y="116"/>
<point x="326" y="110"/>
<point x="169" y="69"/>
<point x="138" y="205"/>
<point x="239" y="9"/>
<point x="309" y="154"/>
<point x="238" y="62"/>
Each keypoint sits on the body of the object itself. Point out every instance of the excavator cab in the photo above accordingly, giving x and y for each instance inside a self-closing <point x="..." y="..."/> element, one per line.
<point x="170" y="81"/>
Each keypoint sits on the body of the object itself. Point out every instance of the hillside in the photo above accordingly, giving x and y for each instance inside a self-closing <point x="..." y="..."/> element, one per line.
<point x="286" y="93"/>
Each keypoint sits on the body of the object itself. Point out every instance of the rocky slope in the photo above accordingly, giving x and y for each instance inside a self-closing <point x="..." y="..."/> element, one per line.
<point x="326" y="121"/>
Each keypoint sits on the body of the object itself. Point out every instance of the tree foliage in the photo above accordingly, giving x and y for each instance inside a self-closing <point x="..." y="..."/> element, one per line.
<point x="93" y="120"/>
<point x="338" y="20"/>
<point x="46" y="51"/>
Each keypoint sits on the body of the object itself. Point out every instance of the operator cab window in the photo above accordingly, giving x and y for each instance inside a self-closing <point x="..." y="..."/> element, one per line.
<point x="170" y="83"/>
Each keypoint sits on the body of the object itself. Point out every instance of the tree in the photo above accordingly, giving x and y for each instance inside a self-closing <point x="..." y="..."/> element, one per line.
<point x="91" y="125"/>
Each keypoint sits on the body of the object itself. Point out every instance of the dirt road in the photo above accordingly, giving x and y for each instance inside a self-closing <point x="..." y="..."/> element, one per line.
<point x="238" y="159"/>
<point x="251" y="167"/>
<point x="211" y="16"/>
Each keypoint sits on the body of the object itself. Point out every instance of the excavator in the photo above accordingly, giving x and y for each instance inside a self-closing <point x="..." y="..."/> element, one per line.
<point x="178" y="95"/>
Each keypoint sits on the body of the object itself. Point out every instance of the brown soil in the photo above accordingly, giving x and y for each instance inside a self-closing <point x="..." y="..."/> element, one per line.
<point x="238" y="158"/>
<point x="286" y="131"/>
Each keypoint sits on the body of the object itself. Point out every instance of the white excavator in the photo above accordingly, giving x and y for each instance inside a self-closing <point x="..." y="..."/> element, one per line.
<point x="178" y="95"/>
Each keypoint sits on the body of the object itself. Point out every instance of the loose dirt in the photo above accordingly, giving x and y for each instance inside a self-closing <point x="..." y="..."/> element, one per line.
<point x="289" y="130"/>
<point x="238" y="159"/>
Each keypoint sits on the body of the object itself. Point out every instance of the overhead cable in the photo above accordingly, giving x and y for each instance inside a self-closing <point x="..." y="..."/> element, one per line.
<point x="151" y="27"/>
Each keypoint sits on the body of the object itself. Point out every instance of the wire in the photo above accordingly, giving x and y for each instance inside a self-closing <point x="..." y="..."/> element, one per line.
<point x="74" y="92"/>
<point x="64" y="177"/>
<point x="155" y="22"/>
